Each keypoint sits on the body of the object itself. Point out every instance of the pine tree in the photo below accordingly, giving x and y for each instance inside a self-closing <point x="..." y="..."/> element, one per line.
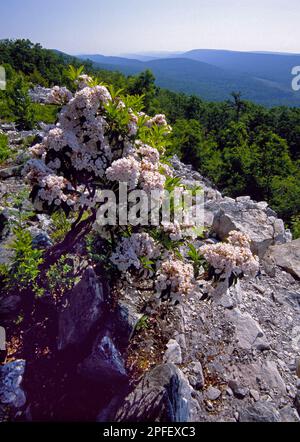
<point x="20" y="103"/>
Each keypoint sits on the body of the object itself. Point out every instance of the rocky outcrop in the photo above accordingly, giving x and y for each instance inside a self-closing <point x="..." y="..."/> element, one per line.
<point x="248" y="332"/>
<point x="11" y="376"/>
<point x="163" y="395"/>
<point x="260" y="412"/>
<point x="286" y="256"/>
<point x="257" y="220"/>
<point x="83" y="308"/>
<point x="105" y="364"/>
<point x="223" y="214"/>
<point x="230" y="359"/>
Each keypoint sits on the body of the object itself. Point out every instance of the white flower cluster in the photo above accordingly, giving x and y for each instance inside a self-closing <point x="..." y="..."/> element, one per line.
<point x="239" y="239"/>
<point x="177" y="231"/>
<point x="176" y="276"/>
<point x="234" y="257"/>
<point x="78" y="142"/>
<point x="148" y="153"/>
<point x="52" y="189"/>
<point x="152" y="180"/>
<point x="125" y="170"/>
<point x="159" y="120"/>
<point x="130" y="250"/>
<point x="59" y="95"/>
<point x="140" y="167"/>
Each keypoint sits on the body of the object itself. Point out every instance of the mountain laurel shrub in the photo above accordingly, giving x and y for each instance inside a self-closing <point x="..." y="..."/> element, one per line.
<point x="103" y="137"/>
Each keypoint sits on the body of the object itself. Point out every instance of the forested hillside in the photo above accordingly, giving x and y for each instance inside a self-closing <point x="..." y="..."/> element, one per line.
<point x="244" y="148"/>
<point x="262" y="78"/>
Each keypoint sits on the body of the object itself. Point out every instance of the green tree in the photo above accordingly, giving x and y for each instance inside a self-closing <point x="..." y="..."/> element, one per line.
<point x="237" y="104"/>
<point x="143" y="84"/>
<point x="235" y="176"/>
<point x="20" y="103"/>
<point x="285" y="198"/>
<point x="271" y="159"/>
<point x="187" y="137"/>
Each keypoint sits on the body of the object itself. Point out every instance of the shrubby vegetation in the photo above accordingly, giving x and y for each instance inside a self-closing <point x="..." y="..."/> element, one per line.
<point x="244" y="148"/>
<point x="4" y="148"/>
<point x="103" y="138"/>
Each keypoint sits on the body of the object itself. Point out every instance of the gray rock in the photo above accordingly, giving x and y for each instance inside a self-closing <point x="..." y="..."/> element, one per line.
<point x="248" y="332"/>
<point x="83" y="308"/>
<point x="173" y="353"/>
<point x="262" y="374"/>
<point x="8" y="215"/>
<point x="42" y="241"/>
<point x="22" y="157"/>
<point x="127" y="319"/>
<point x="259" y="412"/>
<point x="232" y="297"/>
<point x="213" y="393"/>
<point x="248" y="217"/>
<point x="9" y="172"/>
<point x="6" y="127"/>
<point x="286" y="256"/>
<point x="45" y="222"/>
<point x="272" y="376"/>
<point x="195" y="375"/>
<point x="105" y="362"/>
<point x="238" y="391"/>
<point x="11" y="376"/>
<point x="226" y="301"/>
<point x="254" y="394"/>
<point x="163" y="395"/>
<point x="289" y="414"/>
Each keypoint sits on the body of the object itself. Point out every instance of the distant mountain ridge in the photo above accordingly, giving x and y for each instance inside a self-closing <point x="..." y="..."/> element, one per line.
<point x="264" y="78"/>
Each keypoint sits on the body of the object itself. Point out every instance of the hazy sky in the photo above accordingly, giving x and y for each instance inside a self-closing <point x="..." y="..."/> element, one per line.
<point x="120" y="26"/>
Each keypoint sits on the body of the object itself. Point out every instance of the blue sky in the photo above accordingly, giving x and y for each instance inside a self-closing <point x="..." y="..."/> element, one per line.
<point x="122" y="26"/>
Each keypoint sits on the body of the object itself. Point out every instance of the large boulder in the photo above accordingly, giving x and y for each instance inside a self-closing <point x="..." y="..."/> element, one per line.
<point x="83" y="308"/>
<point x="263" y="374"/>
<point x="247" y="331"/>
<point x="105" y="363"/>
<point x="286" y="256"/>
<point x="163" y="395"/>
<point x="11" y="376"/>
<point x="127" y="317"/>
<point x="255" y="219"/>
<point x="260" y="412"/>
